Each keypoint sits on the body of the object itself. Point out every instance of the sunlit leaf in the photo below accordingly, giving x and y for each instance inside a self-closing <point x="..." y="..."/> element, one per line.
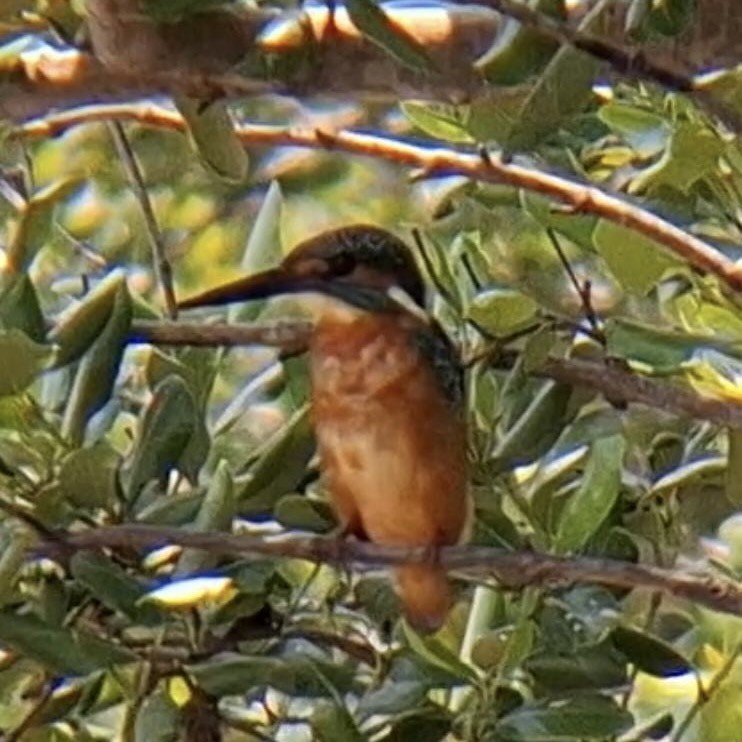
<point x="195" y="591"/>
<point x="439" y="120"/>
<point x="636" y="261"/>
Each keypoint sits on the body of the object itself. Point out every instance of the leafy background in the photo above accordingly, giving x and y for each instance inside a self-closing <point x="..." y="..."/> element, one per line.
<point x="94" y="430"/>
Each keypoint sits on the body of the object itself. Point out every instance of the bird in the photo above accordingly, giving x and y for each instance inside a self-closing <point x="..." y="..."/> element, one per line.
<point x="387" y="400"/>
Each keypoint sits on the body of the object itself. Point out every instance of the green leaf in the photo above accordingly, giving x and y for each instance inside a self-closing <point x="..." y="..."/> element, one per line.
<point x="502" y="311"/>
<point x="112" y="586"/>
<point x="215" y="514"/>
<point x="725" y="85"/>
<point x="393" y="697"/>
<point x="588" y="668"/>
<point x="280" y="466"/>
<point x="166" y="430"/>
<point x="158" y="719"/>
<point x="721" y="716"/>
<point x="263" y="249"/>
<point x="437" y="654"/>
<point x="587" y="508"/>
<point x="645" y="131"/>
<point x="96" y="374"/>
<point x="578" y="228"/>
<point x="583" y="717"/>
<point x="649" y="654"/>
<point x="30" y="232"/>
<point x="22" y="361"/>
<point x="78" y="328"/>
<point x="504" y="648"/>
<point x="378" y="599"/>
<point x="692" y="154"/>
<point x="535" y="429"/>
<point x="20" y="308"/>
<point x="373" y="23"/>
<point x="15" y="545"/>
<point x="60" y="649"/>
<point x="304" y="513"/>
<point x="332" y="723"/>
<point x="213" y="135"/>
<point x="696" y="470"/>
<point x="637" y="262"/>
<point x="232" y="674"/>
<point x="563" y="89"/>
<point x="88" y="476"/>
<point x="663" y="351"/>
<point x="171" y="511"/>
<point x="440" y="120"/>
<point x="430" y="727"/>
<point x="520" y="51"/>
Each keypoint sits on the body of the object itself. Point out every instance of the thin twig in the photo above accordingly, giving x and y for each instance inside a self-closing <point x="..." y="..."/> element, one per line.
<point x="512" y="569"/>
<point x="705" y="694"/>
<point x="580" y="197"/>
<point x="581" y="289"/>
<point x="162" y="267"/>
<point x="288" y="336"/>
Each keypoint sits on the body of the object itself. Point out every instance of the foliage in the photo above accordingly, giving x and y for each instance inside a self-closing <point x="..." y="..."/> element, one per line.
<point x="95" y="430"/>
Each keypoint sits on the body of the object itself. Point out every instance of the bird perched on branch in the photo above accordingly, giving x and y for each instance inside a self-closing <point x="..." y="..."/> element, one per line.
<point x="387" y="399"/>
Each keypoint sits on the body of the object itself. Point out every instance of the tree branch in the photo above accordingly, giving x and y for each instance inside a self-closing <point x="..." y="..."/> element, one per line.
<point x="134" y="55"/>
<point x="511" y="569"/>
<point x="615" y="382"/>
<point x="433" y="160"/>
<point x="627" y="61"/>
<point x="290" y="336"/>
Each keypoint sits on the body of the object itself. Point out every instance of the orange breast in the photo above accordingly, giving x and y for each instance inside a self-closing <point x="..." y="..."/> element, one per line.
<point x="392" y="443"/>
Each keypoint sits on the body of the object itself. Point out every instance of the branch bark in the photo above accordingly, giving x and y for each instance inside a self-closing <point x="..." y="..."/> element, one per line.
<point x="483" y="166"/>
<point x="511" y="569"/>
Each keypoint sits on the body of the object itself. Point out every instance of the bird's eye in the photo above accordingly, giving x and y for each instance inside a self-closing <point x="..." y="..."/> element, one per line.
<point x="342" y="264"/>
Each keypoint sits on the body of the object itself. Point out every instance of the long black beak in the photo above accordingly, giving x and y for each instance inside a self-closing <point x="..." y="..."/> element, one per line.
<point x="258" y="286"/>
<point x="278" y="281"/>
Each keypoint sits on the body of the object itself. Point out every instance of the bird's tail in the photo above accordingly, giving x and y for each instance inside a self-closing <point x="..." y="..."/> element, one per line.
<point x="425" y="593"/>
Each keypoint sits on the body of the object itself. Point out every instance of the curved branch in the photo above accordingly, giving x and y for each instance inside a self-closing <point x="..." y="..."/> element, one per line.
<point x="511" y="569"/>
<point x="437" y="160"/>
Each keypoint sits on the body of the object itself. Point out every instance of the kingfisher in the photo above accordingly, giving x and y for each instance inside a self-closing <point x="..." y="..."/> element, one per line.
<point x="387" y="399"/>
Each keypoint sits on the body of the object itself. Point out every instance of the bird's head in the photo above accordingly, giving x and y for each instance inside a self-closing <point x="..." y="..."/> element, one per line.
<point x="362" y="266"/>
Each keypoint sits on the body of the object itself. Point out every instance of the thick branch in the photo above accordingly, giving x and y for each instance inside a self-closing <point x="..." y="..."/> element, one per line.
<point x="437" y="160"/>
<point x="134" y="55"/>
<point x="511" y="569"/>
